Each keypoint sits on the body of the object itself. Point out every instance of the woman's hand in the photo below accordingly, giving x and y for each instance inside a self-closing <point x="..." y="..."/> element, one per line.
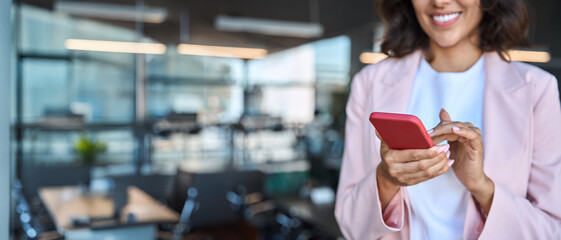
<point x="466" y="147"/>
<point x="409" y="167"/>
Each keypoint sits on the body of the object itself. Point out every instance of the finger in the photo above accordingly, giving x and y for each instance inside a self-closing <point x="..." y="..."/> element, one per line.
<point x="444" y="116"/>
<point x="436" y="170"/>
<point x="472" y="136"/>
<point x="477" y="130"/>
<point x="446" y="128"/>
<point x="410" y="155"/>
<point x="425" y="164"/>
<point x="446" y="137"/>
<point x="466" y="132"/>
<point x="419" y="167"/>
<point x="445" y="169"/>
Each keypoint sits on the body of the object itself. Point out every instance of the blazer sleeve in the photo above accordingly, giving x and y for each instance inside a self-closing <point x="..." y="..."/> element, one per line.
<point x="538" y="215"/>
<point x="358" y="209"/>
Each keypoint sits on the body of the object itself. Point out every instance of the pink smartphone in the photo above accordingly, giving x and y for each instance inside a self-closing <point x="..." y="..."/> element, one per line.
<point x="401" y="131"/>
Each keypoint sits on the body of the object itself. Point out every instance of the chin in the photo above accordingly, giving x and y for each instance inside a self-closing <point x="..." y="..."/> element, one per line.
<point x="445" y="42"/>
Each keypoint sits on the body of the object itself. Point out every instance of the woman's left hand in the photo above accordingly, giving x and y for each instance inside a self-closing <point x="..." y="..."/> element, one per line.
<point x="466" y="148"/>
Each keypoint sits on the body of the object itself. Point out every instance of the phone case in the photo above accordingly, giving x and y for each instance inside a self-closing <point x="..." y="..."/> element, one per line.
<point x="401" y="131"/>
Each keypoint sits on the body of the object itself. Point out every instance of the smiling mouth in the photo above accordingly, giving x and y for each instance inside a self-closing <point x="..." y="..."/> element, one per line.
<point x="445" y="19"/>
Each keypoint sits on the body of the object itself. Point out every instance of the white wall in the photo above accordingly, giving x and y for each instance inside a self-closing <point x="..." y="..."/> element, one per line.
<point x="5" y="53"/>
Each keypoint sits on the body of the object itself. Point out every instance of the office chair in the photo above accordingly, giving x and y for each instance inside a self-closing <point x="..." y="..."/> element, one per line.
<point x="34" y="220"/>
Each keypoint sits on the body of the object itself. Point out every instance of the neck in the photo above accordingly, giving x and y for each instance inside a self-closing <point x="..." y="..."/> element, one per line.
<point x="446" y="59"/>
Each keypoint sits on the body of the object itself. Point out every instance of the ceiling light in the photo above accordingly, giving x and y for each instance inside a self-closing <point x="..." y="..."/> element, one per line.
<point x="529" y="56"/>
<point x="218" y="51"/>
<point x="114" y="46"/>
<point x="112" y="11"/>
<point x="371" y="58"/>
<point x="268" y="27"/>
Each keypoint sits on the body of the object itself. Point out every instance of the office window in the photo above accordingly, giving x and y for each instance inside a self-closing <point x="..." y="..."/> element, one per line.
<point x="45" y="87"/>
<point x="65" y="95"/>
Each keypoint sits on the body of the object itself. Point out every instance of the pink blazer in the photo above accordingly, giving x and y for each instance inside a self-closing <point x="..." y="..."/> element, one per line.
<point x="522" y="155"/>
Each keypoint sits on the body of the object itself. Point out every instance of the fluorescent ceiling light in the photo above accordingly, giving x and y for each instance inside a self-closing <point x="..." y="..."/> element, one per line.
<point x="371" y="58"/>
<point x="268" y="27"/>
<point x="112" y="11"/>
<point x="218" y="51"/>
<point x="529" y="56"/>
<point x="113" y="46"/>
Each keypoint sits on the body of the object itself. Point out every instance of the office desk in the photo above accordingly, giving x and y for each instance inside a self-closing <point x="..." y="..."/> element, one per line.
<point x="65" y="203"/>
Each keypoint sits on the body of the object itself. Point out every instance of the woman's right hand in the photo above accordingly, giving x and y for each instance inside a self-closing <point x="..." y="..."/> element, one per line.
<point x="409" y="167"/>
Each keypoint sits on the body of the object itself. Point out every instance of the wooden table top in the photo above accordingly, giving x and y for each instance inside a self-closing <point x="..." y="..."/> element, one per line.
<point x="65" y="203"/>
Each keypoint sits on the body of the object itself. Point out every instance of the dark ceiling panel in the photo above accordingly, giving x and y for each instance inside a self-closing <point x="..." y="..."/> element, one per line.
<point x="336" y="16"/>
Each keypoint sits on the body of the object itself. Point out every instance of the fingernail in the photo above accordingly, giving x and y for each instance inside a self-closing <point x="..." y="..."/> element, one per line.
<point x="455" y="128"/>
<point x="447" y="146"/>
<point x="443" y="148"/>
<point x="430" y="130"/>
<point x="450" y="163"/>
<point x="447" y="154"/>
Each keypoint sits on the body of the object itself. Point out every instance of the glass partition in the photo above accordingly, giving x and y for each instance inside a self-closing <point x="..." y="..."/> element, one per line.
<point x="198" y="108"/>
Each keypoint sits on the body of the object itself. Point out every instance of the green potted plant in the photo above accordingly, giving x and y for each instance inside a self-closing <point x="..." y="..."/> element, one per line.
<point x="88" y="150"/>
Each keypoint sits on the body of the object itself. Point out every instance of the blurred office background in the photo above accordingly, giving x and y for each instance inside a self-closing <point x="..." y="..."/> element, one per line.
<point x="191" y="119"/>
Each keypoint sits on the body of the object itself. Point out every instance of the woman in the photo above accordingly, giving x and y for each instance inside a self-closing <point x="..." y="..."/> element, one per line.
<point x="501" y="120"/>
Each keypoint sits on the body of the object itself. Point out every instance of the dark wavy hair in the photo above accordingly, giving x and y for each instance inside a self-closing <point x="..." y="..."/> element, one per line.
<point x="504" y="26"/>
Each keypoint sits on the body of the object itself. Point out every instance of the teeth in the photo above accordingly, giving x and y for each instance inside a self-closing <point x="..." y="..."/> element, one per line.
<point x="445" y="18"/>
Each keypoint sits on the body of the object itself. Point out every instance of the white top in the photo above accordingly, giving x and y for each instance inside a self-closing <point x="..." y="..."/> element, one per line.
<point x="439" y="205"/>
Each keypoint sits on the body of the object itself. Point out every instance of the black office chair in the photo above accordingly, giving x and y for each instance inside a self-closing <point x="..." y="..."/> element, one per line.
<point x="215" y="209"/>
<point x="185" y="219"/>
<point x="36" y="176"/>
<point x="202" y="199"/>
<point x="34" y="219"/>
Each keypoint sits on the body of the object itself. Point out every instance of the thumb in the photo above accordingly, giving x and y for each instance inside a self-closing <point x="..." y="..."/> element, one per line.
<point x="378" y="135"/>
<point x="383" y="146"/>
<point x="444" y="116"/>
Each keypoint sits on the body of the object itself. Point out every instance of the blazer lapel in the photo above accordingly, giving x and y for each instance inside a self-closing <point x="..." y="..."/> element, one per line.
<point x="506" y="114"/>
<point x="394" y="95"/>
<point x="397" y="81"/>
